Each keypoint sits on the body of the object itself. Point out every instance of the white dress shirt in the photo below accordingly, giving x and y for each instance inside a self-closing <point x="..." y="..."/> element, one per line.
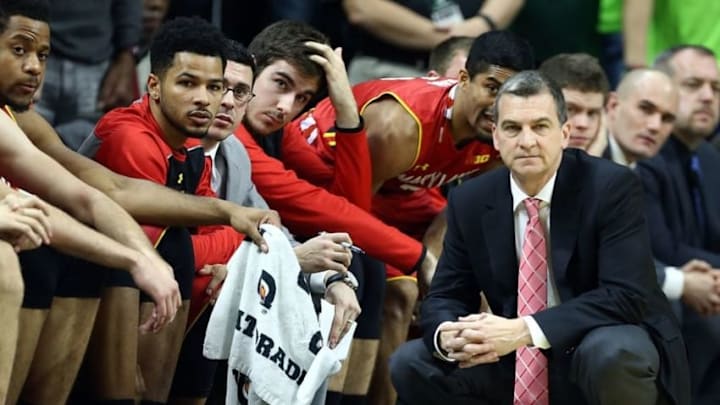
<point x="617" y="154"/>
<point x="520" y="216"/>
<point x="218" y="170"/>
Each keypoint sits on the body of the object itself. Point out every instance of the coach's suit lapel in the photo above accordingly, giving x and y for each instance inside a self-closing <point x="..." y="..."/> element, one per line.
<point x="498" y="225"/>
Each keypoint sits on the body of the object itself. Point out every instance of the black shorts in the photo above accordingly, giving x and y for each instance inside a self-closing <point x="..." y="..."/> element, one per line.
<point x="194" y="374"/>
<point x="175" y="247"/>
<point x="48" y="273"/>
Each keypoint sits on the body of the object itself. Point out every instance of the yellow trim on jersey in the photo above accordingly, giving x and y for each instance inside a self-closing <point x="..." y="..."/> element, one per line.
<point x="397" y="278"/>
<point x="409" y="111"/>
<point x="160" y="238"/>
<point x="197" y="318"/>
<point x="9" y="112"/>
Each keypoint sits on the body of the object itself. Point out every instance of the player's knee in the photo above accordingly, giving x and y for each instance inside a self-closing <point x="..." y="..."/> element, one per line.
<point x="11" y="282"/>
<point x="400" y="299"/>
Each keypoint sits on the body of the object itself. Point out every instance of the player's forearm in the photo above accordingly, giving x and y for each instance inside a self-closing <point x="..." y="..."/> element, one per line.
<point x="394" y="23"/>
<point x="108" y="218"/>
<point x="636" y="20"/>
<point x="502" y="12"/>
<point x="76" y="239"/>
<point x="150" y="203"/>
<point x="433" y="238"/>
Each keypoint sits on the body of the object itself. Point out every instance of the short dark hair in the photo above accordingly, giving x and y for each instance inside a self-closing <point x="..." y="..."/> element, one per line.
<point x="285" y="40"/>
<point x="576" y="71"/>
<point x="500" y="48"/>
<point x="530" y="83"/>
<point x="442" y="54"/>
<point x="33" y="9"/>
<point x="185" y="34"/>
<point x="662" y="61"/>
<point x="236" y="52"/>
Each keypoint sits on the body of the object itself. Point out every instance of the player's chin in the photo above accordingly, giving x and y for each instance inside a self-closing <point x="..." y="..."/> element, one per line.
<point x="197" y="133"/>
<point x="18" y="103"/>
<point x="262" y="124"/>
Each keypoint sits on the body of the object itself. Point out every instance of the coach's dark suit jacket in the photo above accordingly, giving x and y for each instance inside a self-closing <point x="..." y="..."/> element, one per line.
<point x="675" y="236"/>
<point x="601" y="262"/>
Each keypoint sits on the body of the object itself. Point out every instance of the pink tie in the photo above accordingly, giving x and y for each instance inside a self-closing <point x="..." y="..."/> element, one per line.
<point x="531" y="375"/>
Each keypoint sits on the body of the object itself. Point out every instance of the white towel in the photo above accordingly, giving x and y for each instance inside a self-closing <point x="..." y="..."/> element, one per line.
<point x="327" y="361"/>
<point x="265" y="324"/>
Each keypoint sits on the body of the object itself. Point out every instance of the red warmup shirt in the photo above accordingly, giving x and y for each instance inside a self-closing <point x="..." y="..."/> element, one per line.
<point x="411" y="200"/>
<point x="307" y="210"/>
<point x="130" y="142"/>
<point x="343" y="169"/>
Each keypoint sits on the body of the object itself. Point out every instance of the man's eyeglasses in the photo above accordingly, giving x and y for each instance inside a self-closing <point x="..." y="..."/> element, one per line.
<point x="242" y="94"/>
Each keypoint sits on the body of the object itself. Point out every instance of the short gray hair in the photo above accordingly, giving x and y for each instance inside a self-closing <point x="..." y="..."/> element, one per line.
<point x="663" y="62"/>
<point x="530" y="83"/>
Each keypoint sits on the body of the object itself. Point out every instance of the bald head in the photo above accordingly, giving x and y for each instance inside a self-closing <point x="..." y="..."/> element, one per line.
<point x="641" y="113"/>
<point x="639" y="80"/>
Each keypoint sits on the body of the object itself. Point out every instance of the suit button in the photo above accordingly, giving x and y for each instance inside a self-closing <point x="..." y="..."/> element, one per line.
<point x="570" y="350"/>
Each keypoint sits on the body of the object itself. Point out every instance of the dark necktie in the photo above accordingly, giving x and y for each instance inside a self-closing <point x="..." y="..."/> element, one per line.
<point x="696" y="192"/>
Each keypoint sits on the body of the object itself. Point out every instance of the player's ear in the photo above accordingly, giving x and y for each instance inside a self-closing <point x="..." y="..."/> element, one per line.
<point x="153" y="87"/>
<point x="463" y="76"/>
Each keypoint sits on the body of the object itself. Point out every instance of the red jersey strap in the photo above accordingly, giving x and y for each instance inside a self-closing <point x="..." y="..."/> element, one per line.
<point x="8" y="111"/>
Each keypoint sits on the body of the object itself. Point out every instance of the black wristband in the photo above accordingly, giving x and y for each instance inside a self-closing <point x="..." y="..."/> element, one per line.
<point x="491" y="24"/>
<point x="358" y="128"/>
<point x="339" y="277"/>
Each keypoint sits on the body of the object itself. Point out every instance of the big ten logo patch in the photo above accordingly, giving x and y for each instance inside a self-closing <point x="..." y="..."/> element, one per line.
<point x="266" y="290"/>
<point x="480" y="159"/>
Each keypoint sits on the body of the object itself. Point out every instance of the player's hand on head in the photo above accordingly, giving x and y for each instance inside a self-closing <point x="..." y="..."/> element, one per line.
<point x="339" y="89"/>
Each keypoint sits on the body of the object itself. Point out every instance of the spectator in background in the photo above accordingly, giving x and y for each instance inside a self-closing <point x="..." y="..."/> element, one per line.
<point x="659" y="25"/>
<point x="585" y="88"/>
<point x="681" y="200"/>
<point x="538" y="22"/>
<point x="91" y="68"/>
<point x="449" y="57"/>
<point x="154" y="12"/>
<point x="396" y="36"/>
<point x="296" y="10"/>
<point x="238" y="20"/>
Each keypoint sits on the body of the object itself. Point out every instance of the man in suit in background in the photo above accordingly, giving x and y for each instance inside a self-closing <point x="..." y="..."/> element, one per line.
<point x="584" y="314"/>
<point x="681" y="200"/>
<point x="585" y="89"/>
<point x="641" y="115"/>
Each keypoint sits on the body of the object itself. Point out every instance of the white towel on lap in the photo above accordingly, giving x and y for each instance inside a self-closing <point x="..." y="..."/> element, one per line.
<point x="265" y="324"/>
